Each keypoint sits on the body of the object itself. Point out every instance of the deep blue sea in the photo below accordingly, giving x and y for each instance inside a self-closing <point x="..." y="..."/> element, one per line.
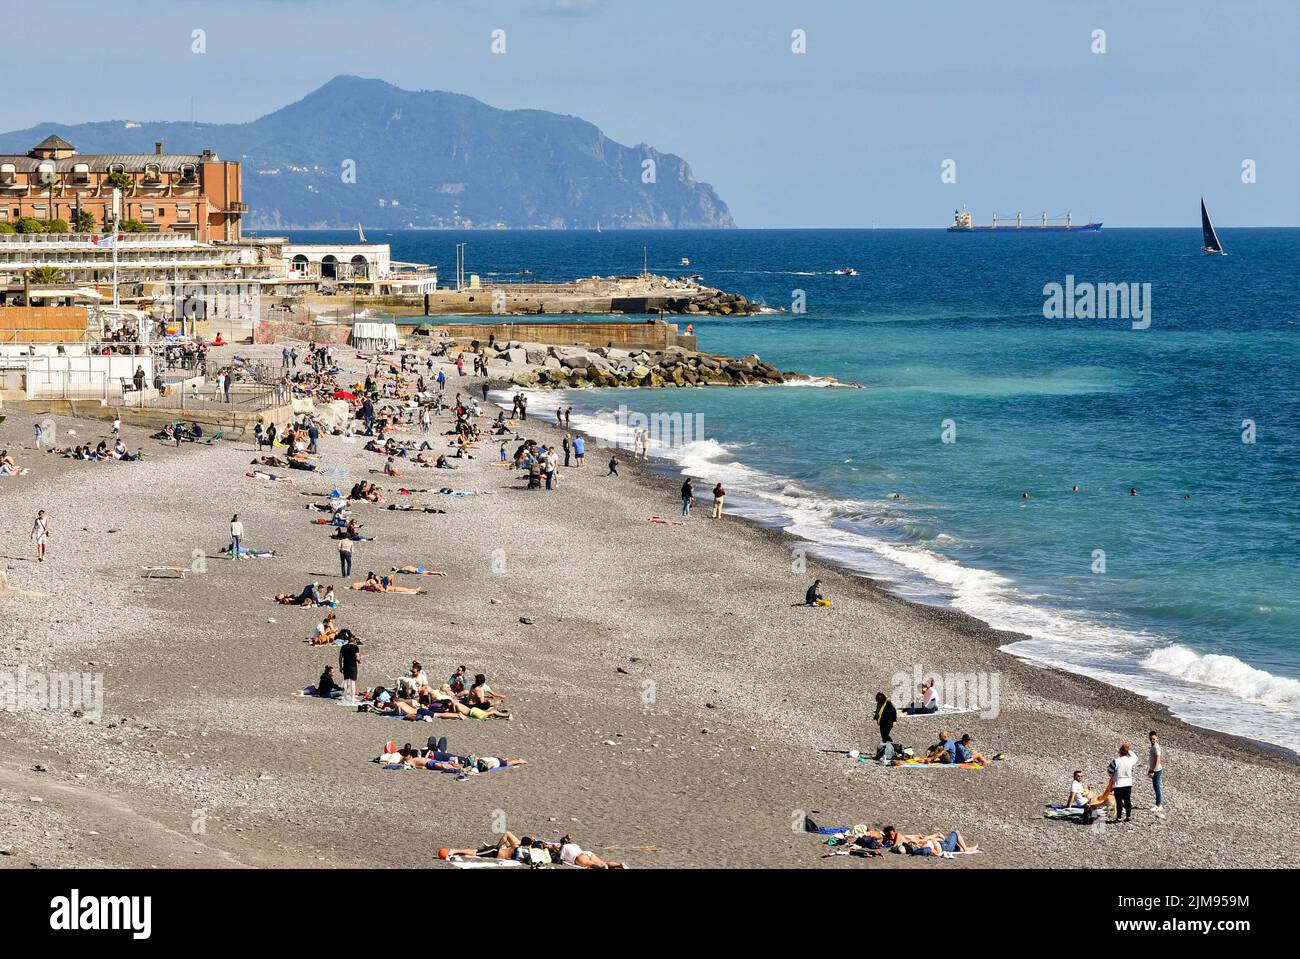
<point x="1188" y="592"/>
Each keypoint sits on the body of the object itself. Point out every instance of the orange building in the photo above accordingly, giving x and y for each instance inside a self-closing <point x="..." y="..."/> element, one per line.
<point x="199" y="195"/>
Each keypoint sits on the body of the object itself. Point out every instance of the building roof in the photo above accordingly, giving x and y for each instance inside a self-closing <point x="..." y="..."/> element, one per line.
<point x="102" y="162"/>
<point x="54" y="142"/>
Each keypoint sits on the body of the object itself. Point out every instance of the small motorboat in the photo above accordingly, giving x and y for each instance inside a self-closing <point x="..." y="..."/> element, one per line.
<point x="846" y="271"/>
<point x="686" y="261"/>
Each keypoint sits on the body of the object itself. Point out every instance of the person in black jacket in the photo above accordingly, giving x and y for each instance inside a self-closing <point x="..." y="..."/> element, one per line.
<point x="886" y="716"/>
<point x="814" y="593"/>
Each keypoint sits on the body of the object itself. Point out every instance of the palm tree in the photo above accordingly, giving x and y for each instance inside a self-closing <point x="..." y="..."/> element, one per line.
<point x="45" y="275"/>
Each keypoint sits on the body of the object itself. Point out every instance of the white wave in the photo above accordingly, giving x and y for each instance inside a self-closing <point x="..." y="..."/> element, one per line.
<point x="1225" y="672"/>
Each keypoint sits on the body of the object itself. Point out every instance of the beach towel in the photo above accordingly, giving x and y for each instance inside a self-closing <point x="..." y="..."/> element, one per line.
<point x="465" y="863"/>
<point x="943" y="711"/>
<point x="922" y="764"/>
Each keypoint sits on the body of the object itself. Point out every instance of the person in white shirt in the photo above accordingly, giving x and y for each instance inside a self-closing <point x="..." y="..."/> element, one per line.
<point x="1077" y="788"/>
<point x="236" y="534"/>
<point x="1121" y="782"/>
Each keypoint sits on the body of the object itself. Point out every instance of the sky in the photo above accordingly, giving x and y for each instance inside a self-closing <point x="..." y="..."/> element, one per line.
<point x="856" y="131"/>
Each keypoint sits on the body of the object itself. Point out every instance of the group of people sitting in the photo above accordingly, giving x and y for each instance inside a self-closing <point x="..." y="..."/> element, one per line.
<point x="179" y="432"/>
<point x="955" y="751"/>
<point x="311" y="595"/>
<point x="99" y="453"/>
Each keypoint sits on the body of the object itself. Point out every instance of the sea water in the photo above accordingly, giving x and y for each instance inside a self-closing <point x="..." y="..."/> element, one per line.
<point x="1188" y="592"/>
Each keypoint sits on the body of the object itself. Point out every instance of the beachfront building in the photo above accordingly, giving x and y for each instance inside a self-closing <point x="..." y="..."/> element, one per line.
<point x="198" y="195"/>
<point x="337" y="261"/>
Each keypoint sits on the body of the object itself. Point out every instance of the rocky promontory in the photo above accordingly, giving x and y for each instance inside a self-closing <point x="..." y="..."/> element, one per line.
<point x="538" y="366"/>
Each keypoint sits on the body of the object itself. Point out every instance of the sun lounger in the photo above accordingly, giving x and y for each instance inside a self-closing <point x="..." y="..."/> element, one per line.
<point x="165" y="572"/>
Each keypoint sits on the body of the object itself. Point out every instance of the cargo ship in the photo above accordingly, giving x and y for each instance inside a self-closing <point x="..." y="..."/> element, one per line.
<point x="962" y="223"/>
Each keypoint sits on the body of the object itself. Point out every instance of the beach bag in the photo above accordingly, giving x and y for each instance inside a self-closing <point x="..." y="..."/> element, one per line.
<point x="885" y="752"/>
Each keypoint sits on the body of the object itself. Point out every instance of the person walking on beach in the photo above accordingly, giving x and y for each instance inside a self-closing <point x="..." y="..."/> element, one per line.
<point x="425" y="420"/>
<point x="559" y="417"/>
<point x="1156" y="770"/>
<point x="567" y="414"/>
<point x="1120" y="771"/>
<point x="258" y="435"/>
<point x="349" y="662"/>
<point x="688" y="497"/>
<point x="236" y="537"/>
<point x="719" y="494"/>
<point x="613" y="466"/>
<point x="117" y="426"/>
<point x="41" y="534"/>
<point x="345" y="557"/>
<point x="886" y="716"/>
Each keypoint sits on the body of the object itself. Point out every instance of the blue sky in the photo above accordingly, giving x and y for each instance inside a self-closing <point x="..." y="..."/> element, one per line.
<point x="851" y="133"/>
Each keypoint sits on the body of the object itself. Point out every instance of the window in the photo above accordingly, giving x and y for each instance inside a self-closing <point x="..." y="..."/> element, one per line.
<point x="152" y="172"/>
<point x="182" y="214"/>
<point x="146" y="213"/>
<point x="4" y="216"/>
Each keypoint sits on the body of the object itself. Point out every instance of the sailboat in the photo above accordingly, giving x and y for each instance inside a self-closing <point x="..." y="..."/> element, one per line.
<point x="361" y="234"/>
<point x="1208" y="236"/>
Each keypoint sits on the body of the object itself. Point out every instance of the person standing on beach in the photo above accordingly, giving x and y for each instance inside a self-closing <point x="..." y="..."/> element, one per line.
<point x="688" y="497"/>
<point x="117" y="426"/>
<point x="613" y="466"/>
<point x="41" y="533"/>
<point x="567" y="414"/>
<point x="579" y="448"/>
<point x="257" y="435"/>
<point x="886" y="716"/>
<point x="236" y="536"/>
<point x="345" y="557"/>
<point x="559" y="417"/>
<point x="1156" y="771"/>
<point x="719" y="494"/>
<point x="568" y="448"/>
<point x="1120" y="771"/>
<point x="349" y="663"/>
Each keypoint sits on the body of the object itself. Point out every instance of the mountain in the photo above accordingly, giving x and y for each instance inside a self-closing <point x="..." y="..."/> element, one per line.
<point x="421" y="159"/>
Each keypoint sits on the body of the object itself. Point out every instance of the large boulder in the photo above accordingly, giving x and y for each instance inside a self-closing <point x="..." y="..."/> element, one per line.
<point x="516" y="354"/>
<point x="524" y="378"/>
<point x="579" y="361"/>
<point x="534" y="357"/>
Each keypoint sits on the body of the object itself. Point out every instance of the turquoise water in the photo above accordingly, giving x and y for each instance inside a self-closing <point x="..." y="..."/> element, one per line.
<point x="1198" y="603"/>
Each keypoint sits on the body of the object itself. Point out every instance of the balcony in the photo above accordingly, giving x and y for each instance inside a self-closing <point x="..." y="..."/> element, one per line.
<point x="236" y="206"/>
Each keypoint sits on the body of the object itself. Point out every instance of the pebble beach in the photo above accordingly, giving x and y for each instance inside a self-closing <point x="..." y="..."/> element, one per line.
<point x="677" y="705"/>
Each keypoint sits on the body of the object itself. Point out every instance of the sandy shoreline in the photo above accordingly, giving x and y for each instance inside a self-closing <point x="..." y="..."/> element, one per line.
<point x="679" y="644"/>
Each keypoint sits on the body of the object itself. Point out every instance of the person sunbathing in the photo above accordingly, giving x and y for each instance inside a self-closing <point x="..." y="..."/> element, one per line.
<point x="311" y="595"/>
<point x="416" y="571"/>
<point x="571" y="853"/>
<point x="383" y="584"/>
<point x="503" y="848"/>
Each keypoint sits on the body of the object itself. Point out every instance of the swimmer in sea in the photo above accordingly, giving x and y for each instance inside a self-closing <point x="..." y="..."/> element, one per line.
<point x="1132" y="491"/>
<point x="1074" y="488"/>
